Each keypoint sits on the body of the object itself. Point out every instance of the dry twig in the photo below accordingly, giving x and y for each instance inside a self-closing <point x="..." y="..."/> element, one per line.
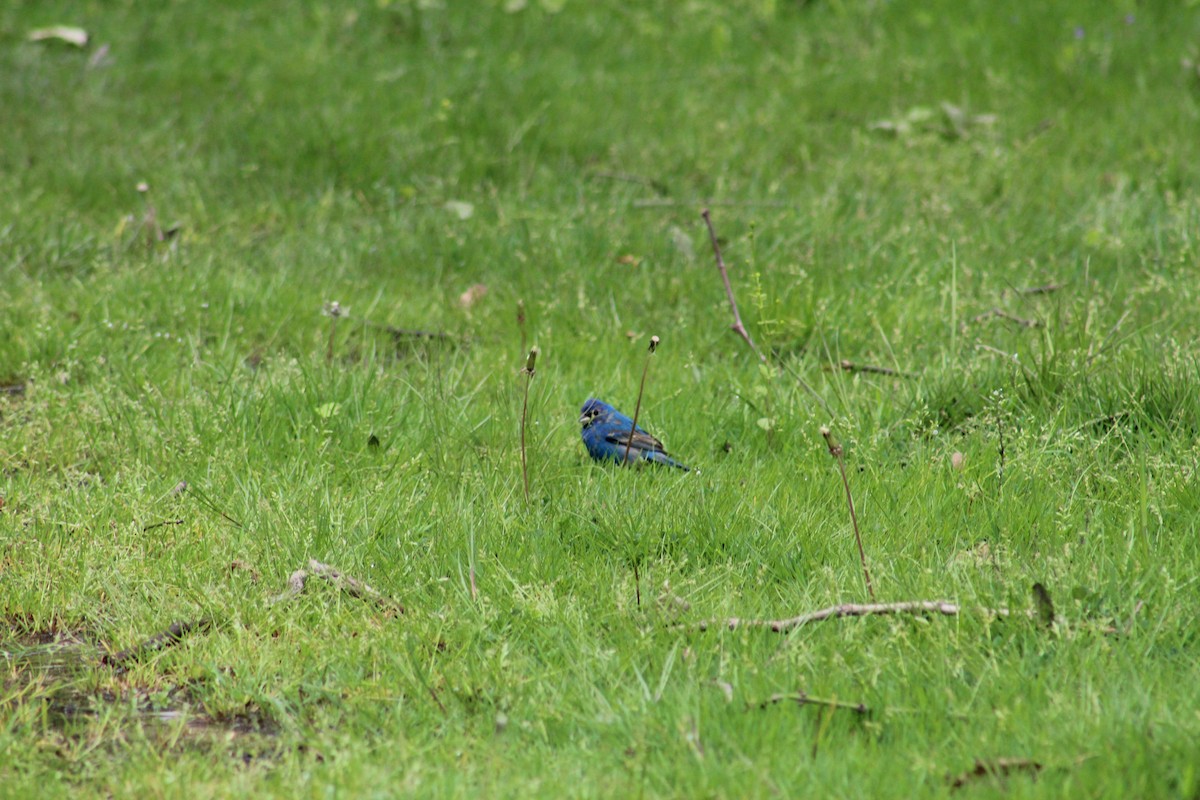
<point x="835" y="450"/>
<point x="805" y="699"/>
<point x="1049" y="288"/>
<point x="400" y="334"/>
<point x="850" y="366"/>
<point x="160" y="524"/>
<point x="737" y="326"/>
<point x="740" y="329"/>
<point x="944" y="607"/>
<point x="999" y="313"/>
<point x="351" y="586"/>
<point x="159" y="641"/>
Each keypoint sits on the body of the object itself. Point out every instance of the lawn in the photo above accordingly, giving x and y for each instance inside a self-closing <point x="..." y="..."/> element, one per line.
<point x="964" y="235"/>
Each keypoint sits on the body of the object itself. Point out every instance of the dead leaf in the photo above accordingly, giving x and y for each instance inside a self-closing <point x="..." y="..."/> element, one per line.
<point x="62" y="33"/>
<point x="99" y="58"/>
<point x="629" y="260"/>
<point x="682" y="242"/>
<point x="472" y="295"/>
<point x="725" y="687"/>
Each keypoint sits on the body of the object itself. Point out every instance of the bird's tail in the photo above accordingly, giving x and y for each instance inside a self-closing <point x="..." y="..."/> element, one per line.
<point x="666" y="460"/>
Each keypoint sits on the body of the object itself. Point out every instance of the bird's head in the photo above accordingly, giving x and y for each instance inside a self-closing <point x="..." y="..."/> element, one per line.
<point x="591" y="409"/>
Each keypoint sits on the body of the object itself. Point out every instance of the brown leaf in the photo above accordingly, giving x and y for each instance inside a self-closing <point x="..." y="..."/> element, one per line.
<point x="472" y="295"/>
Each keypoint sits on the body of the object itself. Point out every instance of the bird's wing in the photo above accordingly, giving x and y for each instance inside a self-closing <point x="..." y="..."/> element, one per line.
<point x="641" y="439"/>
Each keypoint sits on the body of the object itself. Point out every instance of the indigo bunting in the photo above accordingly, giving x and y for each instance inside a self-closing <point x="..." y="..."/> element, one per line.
<point x="606" y="434"/>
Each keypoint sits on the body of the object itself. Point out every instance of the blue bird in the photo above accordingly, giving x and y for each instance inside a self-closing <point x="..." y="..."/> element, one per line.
<point x="606" y="434"/>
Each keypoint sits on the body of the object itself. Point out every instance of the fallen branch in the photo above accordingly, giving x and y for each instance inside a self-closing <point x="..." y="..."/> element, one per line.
<point x="159" y="641"/>
<point x="999" y="313"/>
<point x="997" y="767"/>
<point x="944" y="607"/>
<point x="1032" y="290"/>
<point x="351" y="586"/>
<point x="160" y="524"/>
<point x="804" y="699"/>
<point x="1043" y="611"/>
<point x="850" y="366"/>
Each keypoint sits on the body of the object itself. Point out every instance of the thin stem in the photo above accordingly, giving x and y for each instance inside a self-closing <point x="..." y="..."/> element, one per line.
<point x="805" y="699"/>
<point x="835" y="450"/>
<point x="737" y="326"/>
<point x="471" y="568"/>
<point x="528" y="372"/>
<point x="637" y="408"/>
<point x="740" y="329"/>
<point x="521" y="322"/>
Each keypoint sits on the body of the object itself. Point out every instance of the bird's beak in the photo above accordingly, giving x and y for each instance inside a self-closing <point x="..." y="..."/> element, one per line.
<point x="584" y="420"/>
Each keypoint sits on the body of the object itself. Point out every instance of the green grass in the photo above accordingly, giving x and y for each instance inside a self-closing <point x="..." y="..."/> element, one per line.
<point x="311" y="152"/>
